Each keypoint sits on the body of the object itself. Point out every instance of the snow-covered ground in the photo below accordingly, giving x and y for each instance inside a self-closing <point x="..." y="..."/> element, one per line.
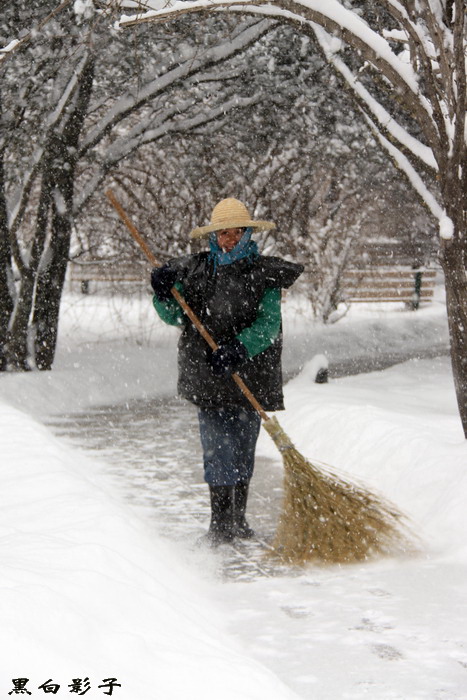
<point x="91" y="591"/>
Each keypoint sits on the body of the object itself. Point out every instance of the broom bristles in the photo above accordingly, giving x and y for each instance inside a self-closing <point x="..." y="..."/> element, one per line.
<point x="326" y="519"/>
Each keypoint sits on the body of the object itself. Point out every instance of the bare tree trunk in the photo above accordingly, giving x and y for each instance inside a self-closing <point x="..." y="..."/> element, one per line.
<point x="456" y="298"/>
<point x="49" y="292"/>
<point x="17" y="348"/>
<point x="6" y="273"/>
<point x="51" y="278"/>
<point x="454" y="262"/>
<point x="16" y="353"/>
<point x="33" y="328"/>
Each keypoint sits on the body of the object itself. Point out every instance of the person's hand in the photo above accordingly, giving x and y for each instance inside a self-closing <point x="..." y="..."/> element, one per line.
<point x="228" y="358"/>
<point x="162" y="280"/>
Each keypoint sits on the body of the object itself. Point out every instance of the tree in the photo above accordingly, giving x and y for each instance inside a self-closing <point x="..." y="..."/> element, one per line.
<point x="406" y="57"/>
<point x="77" y="99"/>
<point x="300" y="155"/>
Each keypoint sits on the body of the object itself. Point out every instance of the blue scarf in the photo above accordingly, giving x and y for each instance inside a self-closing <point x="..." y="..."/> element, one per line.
<point x="245" y="248"/>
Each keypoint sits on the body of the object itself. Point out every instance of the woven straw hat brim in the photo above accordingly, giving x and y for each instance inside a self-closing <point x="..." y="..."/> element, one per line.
<point x="203" y="231"/>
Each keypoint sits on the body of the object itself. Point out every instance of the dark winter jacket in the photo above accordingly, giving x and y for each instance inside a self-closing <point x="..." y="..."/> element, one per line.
<point x="227" y="302"/>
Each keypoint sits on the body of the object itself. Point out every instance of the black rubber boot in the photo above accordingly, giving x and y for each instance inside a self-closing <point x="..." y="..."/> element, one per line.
<point x="221" y="528"/>
<point x="241" y="527"/>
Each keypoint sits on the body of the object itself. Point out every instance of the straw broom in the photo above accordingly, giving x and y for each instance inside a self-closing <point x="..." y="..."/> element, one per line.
<point x="328" y="519"/>
<point x="324" y="517"/>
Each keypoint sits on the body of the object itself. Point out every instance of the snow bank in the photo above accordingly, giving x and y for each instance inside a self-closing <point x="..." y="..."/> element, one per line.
<point x="116" y="349"/>
<point x="87" y="591"/>
<point x="94" y="375"/>
<point x="398" y="432"/>
<point x="109" y="350"/>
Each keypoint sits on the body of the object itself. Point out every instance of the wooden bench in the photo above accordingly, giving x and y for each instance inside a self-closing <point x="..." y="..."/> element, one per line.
<point x="377" y="284"/>
<point x="89" y="277"/>
<point x="383" y="284"/>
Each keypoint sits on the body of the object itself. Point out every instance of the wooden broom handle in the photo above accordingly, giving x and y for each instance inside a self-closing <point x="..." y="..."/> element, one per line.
<point x="187" y="309"/>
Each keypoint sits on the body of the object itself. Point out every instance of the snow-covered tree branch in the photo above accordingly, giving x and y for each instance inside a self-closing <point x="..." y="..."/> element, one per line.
<point x="67" y="123"/>
<point x="406" y="61"/>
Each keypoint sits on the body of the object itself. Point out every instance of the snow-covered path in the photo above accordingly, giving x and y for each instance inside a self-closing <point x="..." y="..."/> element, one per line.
<point x="382" y="630"/>
<point x="152" y="448"/>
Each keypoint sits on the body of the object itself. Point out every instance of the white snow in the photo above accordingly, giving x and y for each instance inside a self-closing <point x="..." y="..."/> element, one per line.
<point x="404" y="164"/>
<point x="332" y="11"/>
<point x="9" y="47"/>
<point x="83" y="9"/>
<point x="446" y="228"/>
<point x="89" y="589"/>
<point x="382" y="116"/>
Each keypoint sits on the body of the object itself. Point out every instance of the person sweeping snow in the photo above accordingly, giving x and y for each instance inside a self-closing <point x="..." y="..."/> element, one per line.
<point x="236" y="293"/>
<point x="325" y="518"/>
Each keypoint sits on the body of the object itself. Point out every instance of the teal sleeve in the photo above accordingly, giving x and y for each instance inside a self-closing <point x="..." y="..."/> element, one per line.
<point x="170" y="311"/>
<point x="265" y="329"/>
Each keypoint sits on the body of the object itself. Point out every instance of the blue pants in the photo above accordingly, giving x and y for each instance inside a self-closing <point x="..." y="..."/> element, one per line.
<point x="228" y="438"/>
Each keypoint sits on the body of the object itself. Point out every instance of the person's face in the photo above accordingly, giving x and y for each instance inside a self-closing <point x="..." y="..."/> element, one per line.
<point x="228" y="238"/>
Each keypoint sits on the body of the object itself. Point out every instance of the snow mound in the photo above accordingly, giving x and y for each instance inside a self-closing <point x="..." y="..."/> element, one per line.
<point x="89" y="592"/>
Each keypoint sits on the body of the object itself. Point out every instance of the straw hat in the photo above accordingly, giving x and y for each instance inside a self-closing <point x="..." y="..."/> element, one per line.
<point x="230" y="213"/>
